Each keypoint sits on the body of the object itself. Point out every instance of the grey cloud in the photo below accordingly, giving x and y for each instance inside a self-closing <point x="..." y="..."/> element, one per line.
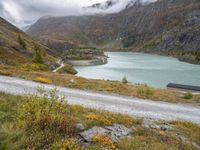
<point x="21" y="11"/>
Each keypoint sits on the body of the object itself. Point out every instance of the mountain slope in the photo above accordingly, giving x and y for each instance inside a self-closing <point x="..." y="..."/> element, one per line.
<point x="141" y="26"/>
<point x="17" y="48"/>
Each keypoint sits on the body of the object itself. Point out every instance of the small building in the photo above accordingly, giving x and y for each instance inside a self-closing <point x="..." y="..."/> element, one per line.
<point x="182" y="87"/>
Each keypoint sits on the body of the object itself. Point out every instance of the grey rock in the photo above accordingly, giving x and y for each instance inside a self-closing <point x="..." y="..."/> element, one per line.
<point x="80" y="127"/>
<point x="165" y="127"/>
<point x="116" y="132"/>
<point x="148" y="123"/>
<point x="89" y="134"/>
<point x="54" y="66"/>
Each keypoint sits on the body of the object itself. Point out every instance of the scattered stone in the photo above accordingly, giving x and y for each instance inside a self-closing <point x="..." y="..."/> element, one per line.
<point x="54" y="66"/>
<point x="116" y="132"/>
<point x="148" y="123"/>
<point x="80" y="127"/>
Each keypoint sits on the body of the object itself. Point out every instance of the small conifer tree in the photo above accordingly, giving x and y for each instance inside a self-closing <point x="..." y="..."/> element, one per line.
<point x="124" y="80"/>
<point x="38" y="58"/>
<point x="21" y="42"/>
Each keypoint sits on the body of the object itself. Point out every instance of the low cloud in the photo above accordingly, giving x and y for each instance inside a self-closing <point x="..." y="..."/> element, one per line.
<point x="24" y="12"/>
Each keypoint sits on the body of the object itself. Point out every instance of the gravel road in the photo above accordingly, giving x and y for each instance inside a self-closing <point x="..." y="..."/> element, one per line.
<point x="114" y="103"/>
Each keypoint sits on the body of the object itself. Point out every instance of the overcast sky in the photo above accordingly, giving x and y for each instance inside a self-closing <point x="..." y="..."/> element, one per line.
<point x="22" y="12"/>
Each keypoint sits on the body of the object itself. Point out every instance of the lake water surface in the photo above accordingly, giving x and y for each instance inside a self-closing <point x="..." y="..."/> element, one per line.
<point x="154" y="70"/>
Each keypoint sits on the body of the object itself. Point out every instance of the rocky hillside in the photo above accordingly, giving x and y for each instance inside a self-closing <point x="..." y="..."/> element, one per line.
<point x="18" y="49"/>
<point x="166" y="26"/>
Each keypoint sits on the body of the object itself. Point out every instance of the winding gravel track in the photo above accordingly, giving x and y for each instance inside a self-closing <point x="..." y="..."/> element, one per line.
<point x="114" y="103"/>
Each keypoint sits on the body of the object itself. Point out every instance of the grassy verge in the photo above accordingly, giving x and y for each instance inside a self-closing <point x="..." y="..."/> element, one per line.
<point x="47" y="122"/>
<point x="116" y="87"/>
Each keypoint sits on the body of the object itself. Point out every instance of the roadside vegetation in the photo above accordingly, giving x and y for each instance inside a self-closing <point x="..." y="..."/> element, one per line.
<point x="45" y="121"/>
<point x="115" y="87"/>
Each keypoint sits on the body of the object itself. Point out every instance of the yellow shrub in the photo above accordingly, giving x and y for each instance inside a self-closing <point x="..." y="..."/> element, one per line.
<point x="5" y="73"/>
<point x="98" y="119"/>
<point x="43" y="80"/>
<point x="69" y="144"/>
<point x="35" y="67"/>
<point x="104" y="140"/>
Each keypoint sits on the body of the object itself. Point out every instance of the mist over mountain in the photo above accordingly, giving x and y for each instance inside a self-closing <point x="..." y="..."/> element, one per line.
<point x="21" y="11"/>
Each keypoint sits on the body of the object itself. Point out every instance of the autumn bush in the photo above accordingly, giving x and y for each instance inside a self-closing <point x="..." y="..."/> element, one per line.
<point x="144" y="91"/>
<point x="34" y="67"/>
<point x="95" y="118"/>
<point x="68" y="144"/>
<point x="46" y="118"/>
<point x="42" y="80"/>
<point x="188" y="95"/>
<point x="104" y="140"/>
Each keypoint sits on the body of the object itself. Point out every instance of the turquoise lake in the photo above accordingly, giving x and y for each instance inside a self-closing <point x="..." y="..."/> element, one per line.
<point x="153" y="70"/>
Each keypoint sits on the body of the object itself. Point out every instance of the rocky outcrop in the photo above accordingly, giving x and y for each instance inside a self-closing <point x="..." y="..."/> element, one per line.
<point x="185" y="37"/>
<point x="116" y="132"/>
<point x="182" y="41"/>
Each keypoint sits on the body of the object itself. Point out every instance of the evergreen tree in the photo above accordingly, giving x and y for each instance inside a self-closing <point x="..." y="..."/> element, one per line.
<point x="21" y="42"/>
<point x="38" y="58"/>
<point x="124" y="80"/>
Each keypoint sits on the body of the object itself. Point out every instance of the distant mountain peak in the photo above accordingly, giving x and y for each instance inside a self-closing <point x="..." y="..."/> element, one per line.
<point x="103" y="6"/>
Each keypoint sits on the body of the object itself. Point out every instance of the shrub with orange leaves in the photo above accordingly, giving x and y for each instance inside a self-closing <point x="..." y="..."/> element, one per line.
<point x="104" y="140"/>
<point x="99" y="119"/>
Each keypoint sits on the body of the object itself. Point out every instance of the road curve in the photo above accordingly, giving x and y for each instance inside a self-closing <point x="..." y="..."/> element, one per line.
<point x="114" y="103"/>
